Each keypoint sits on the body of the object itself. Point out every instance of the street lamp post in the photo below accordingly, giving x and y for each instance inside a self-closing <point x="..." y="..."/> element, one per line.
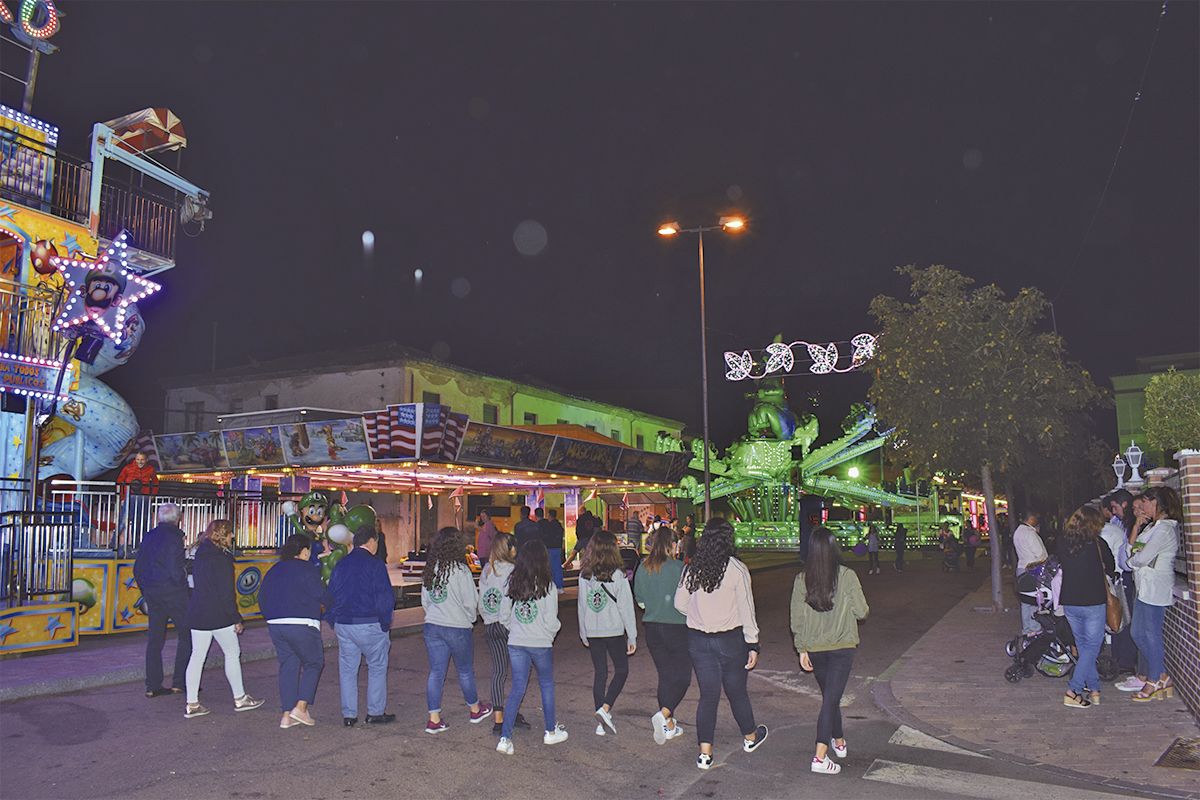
<point x="667" y="230"/>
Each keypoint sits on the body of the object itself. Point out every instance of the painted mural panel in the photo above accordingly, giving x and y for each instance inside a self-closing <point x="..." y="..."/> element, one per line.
<point x="586" y="458"/>
<point x="335" y="441"/>
<point x="254" y="447"/>
<point x="639" y="465"/>
<point x="496" y="446"/>
<point x="198" y="450"/>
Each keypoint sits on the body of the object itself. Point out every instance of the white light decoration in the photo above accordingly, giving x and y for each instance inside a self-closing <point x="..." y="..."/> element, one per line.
<point x="780" y="358"/>
<point x="34" y="362"/>
<point x="110" y="318"/>
<point x="1118" y="466"/>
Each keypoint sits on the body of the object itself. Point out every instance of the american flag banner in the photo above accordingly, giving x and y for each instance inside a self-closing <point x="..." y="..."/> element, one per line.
<point x="379" y="436"/>
<point x="143" y="442"/>
<point x="405" y="429"/>
<point x="456" y="425"/>
<point x="433" y="418"/>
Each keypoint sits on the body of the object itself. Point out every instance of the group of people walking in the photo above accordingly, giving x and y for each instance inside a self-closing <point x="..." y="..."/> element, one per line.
<point x="698" y="618"/>
<point x="1127" y="546"/>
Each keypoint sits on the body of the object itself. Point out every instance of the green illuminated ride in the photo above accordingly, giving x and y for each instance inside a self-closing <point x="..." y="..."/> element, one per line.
<point x="764" y="473"/>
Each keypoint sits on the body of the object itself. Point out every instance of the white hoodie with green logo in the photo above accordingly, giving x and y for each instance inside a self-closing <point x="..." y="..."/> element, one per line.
<point x="455" y="605"/>
<point x="606" y="608"/>
<point x="492" y="586"/>
<point x="531" y="623"/>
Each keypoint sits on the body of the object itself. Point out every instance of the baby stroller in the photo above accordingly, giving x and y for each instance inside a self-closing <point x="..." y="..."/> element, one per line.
<point x="1049" y="650"/>
<point x="951" y="550"/>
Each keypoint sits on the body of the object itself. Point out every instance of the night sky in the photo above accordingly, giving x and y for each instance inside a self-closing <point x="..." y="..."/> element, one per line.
<point x="856" y="137"/>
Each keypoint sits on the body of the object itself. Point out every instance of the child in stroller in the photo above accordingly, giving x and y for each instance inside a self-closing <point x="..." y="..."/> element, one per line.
<point x="951" y="550"/>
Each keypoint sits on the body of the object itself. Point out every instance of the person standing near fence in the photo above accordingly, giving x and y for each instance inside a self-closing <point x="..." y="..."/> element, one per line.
<point x="361" y="616"/>
<point x="291" y="598"/>
<point x="136" y="482"/>
<point x="161" y="573"/>
<point x="213" y="614"/>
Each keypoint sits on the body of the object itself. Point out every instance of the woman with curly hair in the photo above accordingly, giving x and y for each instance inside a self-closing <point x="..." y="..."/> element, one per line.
<point x="607" y="624"/>
<point x="716" y="597"/>
<point x="530" y="612"/>
<point x="1084" y="559"/>
<point x="451" y="606"/>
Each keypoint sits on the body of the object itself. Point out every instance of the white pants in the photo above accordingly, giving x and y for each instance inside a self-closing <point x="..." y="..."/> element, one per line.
<point x="227" y="638"/>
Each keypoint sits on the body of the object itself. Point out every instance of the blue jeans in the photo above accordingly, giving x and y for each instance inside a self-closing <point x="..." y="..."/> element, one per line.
<point x="556" y="559"/>
<point x="301" y="657"/>
<point x="1087" y="624"/>
<point x="356" y="642"/>
<point x="1148" y="634"/>
<point x="444" y="643"/>
<point x="720" y="663"/>
<point x="521" y="659"/>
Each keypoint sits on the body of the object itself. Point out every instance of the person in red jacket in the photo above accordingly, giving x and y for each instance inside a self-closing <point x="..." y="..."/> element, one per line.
<point x="136" y="482"/>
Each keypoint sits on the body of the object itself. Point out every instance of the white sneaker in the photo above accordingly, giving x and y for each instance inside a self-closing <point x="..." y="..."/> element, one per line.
<point x="559" y="734"/>
<point x="840" y="752"/>
<point x="704" y="761"/>
<point x="606" y="720"/>
<point x="1130" y="684"/>
<point x="505" y="746"/>
<point x="673" y="733"/>
<point x="248" y="703"/>
<point x="658" y="724"/>
<point x="825" y="766"/>
<point x="599" y="730"/>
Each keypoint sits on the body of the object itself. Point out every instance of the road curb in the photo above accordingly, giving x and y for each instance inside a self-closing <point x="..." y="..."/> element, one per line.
<point x="885" y="700"/>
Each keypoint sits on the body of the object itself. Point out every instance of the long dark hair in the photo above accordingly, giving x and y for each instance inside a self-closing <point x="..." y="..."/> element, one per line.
<point x="530" y="579"/>
<point x="601" y="558"/>
<point x="448" y="550"/>
<point x="713" y="551"/>
<point x="660" y="549"/>
<point x="821" y="569"/>
<point x="1082" y="527"/>
<point x="1168" y="501"/>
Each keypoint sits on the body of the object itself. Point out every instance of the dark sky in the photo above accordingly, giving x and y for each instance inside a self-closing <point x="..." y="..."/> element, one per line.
<point x="856" y="136"/>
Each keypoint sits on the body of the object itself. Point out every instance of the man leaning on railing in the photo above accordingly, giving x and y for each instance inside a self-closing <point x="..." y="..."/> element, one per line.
<point x="136" y="483"/>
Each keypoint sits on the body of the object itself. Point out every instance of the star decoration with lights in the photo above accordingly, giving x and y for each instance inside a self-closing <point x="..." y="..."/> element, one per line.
<point x="104" y="289"/>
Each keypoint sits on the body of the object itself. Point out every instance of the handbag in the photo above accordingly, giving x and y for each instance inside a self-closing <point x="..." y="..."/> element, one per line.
<point x="1116" y="612"/>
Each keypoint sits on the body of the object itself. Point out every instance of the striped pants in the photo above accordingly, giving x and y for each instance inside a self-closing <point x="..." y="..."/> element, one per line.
<point x="496" y="636"/>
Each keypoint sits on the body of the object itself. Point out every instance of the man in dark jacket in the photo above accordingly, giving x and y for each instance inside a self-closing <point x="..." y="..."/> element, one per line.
<point x="161" y="573"/>
<point x="362" y="617"/>
<point x="526" y="530"/>
<point x="553" y="536"/>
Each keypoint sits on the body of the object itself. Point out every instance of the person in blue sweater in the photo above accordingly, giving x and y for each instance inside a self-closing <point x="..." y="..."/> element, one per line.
<point x="291" y="598"/>
<point x="362" y="617"/>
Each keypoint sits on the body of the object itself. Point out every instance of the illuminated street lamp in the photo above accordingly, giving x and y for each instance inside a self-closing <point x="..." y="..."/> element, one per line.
<point x="728" y="224"/>
<point x="1134" y="454"/>
<point x="1118" y="466"/>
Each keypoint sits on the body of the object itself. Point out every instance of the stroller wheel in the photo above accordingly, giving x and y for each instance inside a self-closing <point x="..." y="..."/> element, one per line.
<point x="1010" y="648"/>
<point x="1013" y="674"/>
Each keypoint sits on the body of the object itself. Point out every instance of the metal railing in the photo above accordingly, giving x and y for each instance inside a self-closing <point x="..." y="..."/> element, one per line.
<point x="38" y="176"/>
<point x="26" y="313"/>
<point x="110" y="517"/>
<point x="36" y="556"/>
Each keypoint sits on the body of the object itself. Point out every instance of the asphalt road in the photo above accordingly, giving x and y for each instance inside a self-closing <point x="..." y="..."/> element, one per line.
<point x="112" y="742"/>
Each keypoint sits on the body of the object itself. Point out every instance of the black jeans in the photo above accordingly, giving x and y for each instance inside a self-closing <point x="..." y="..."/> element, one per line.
<point x="161" y="609"/>
<point x="832" y="668"/>
<point x="603" y="648"/>
<point x="873" y="559"/>
<point x="668" y="644"/>
<point x="720" y="663"/>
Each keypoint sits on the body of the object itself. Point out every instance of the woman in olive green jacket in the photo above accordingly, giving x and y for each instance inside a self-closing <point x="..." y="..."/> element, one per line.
<point x="827" y="603"/>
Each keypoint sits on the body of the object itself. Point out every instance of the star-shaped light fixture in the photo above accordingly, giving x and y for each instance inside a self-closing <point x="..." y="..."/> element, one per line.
<point x="126" y="288"/>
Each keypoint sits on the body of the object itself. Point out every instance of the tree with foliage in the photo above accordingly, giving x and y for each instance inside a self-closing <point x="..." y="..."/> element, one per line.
<point x="1171" y="416"/>
<point x="970" y="381"/>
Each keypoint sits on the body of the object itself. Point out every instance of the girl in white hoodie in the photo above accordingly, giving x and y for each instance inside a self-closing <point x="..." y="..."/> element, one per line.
<point x="493" y="585"/>
<point x="607" y="624"/>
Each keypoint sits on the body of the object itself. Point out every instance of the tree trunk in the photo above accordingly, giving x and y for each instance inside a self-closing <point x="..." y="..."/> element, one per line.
<point x="989" y="500"/>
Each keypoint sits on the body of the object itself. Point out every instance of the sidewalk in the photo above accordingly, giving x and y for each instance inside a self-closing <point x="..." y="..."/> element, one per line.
<point x="121" y="658"/>
<point x="951" y="685"/>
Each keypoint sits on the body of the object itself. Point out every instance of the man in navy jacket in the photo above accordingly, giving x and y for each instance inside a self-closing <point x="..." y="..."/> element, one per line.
<point x="161" y="573"/>
<point x="362" y="617"/>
